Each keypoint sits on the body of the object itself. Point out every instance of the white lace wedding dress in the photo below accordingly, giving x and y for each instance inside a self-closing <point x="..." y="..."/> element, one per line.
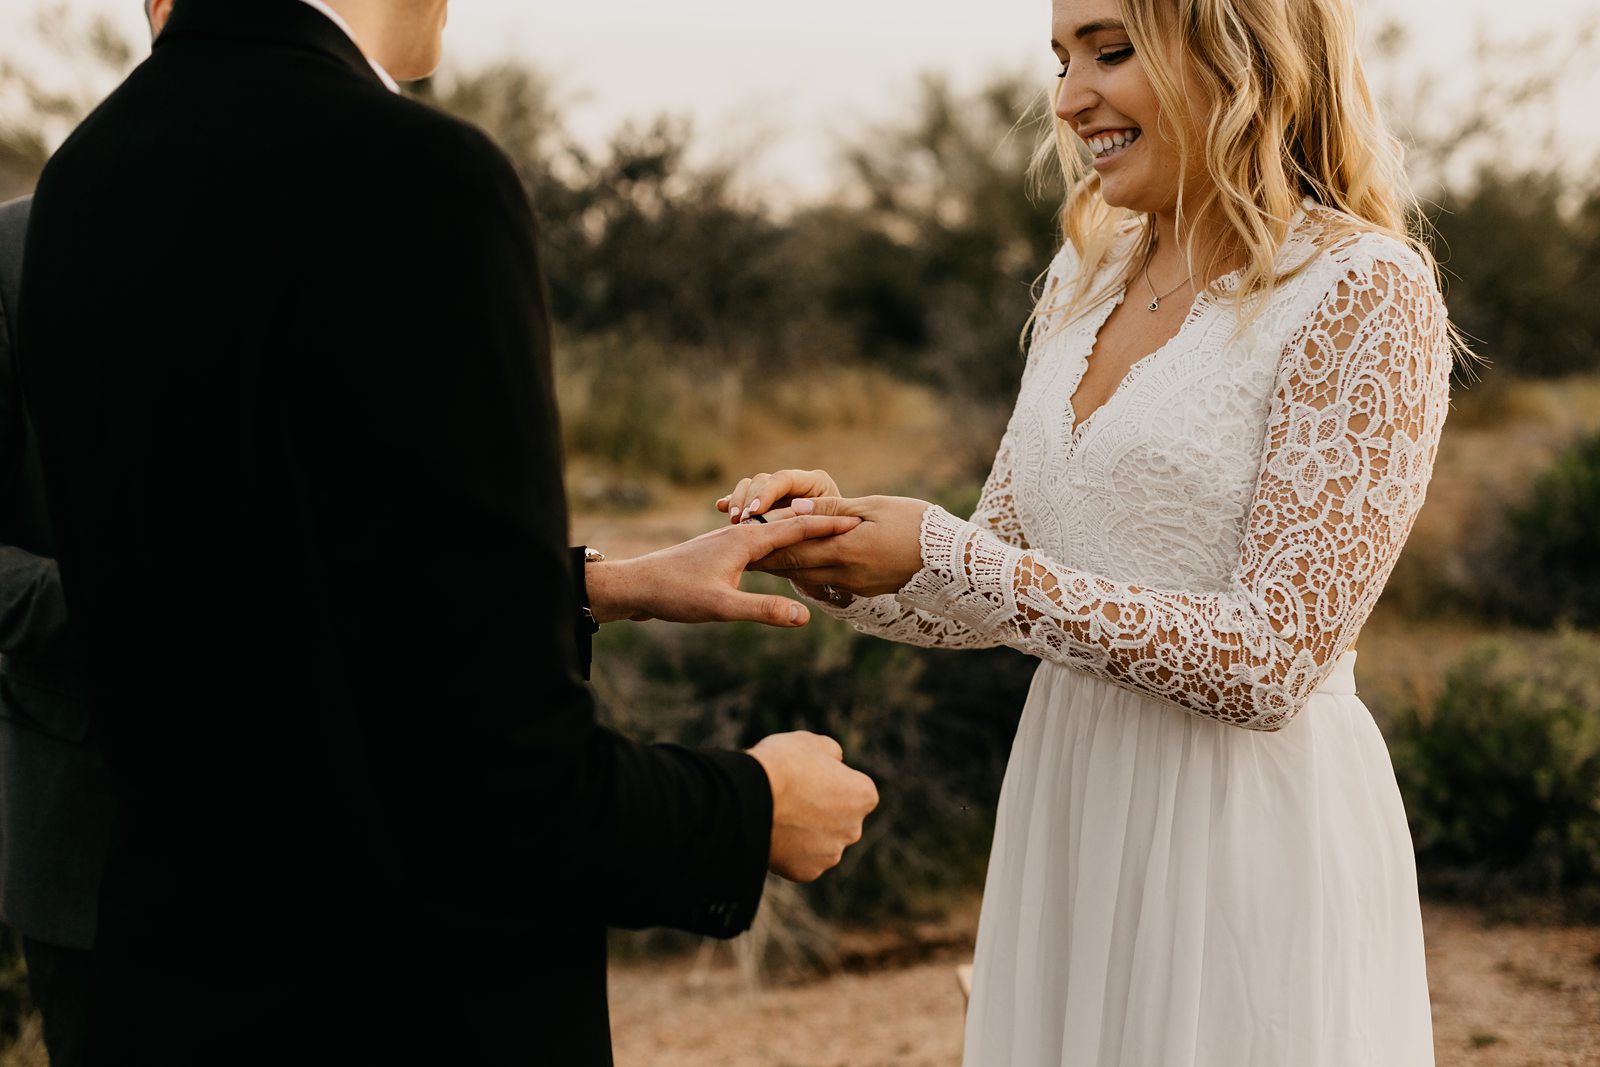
<point x="1201" y="856"/>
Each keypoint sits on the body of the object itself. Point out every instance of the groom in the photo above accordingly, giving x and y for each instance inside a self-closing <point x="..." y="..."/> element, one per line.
<point x="284" y="339"/>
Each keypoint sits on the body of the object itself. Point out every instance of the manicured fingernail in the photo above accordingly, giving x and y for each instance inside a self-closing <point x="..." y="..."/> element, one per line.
<point x="755" y="505"/>
<point x="733" y="513"/>
<point x="804" y="506"/>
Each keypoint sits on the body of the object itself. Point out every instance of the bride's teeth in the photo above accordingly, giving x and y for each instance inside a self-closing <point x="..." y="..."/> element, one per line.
<point x="1104" y="144"/>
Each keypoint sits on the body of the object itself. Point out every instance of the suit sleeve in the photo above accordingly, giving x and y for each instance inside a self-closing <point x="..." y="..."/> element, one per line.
<point x="436" y="451"/>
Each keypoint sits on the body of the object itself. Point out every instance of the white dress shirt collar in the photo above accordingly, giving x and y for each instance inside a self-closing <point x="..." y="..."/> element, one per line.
<point x="338" y="20"/>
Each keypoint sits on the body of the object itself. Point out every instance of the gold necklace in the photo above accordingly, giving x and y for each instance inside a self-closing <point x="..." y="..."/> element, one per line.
<point x="1156" y="298"/>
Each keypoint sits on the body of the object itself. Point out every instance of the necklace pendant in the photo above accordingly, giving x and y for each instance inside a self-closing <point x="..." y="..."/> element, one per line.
<point x="1154" y="305"/>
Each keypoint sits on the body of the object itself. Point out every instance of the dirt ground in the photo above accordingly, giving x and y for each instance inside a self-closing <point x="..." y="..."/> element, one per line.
<point x="1503" y="996"/>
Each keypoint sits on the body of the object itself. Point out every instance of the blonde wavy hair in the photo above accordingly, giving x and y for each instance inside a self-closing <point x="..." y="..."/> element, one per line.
<point x="1270" y="99"/>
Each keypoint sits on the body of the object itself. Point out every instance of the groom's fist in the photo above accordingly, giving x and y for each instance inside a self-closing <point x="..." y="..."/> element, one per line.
<point x="818" y="803"/>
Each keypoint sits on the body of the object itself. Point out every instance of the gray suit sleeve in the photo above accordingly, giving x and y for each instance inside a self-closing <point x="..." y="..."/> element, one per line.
<point x="33" y="613"/>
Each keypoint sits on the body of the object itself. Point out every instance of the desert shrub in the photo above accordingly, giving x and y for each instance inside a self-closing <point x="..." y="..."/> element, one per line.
<point x="1548" y="571"/>
<point x="1521" y="269"/>
<point x="933" y="270"/>
<point x="931" y="728"/>
<point x="1501" y="774"/>
<point x="641" y="408"/>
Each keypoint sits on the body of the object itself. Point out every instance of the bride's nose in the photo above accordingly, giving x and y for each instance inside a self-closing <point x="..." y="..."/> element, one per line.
<point x="1075" y="95"/>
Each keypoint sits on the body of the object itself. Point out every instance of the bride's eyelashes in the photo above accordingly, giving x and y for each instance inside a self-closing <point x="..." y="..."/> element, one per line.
<point x="1110" y="59"/>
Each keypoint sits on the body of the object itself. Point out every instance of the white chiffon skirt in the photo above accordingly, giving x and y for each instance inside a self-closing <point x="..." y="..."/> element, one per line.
<point x="1167" y="891"/>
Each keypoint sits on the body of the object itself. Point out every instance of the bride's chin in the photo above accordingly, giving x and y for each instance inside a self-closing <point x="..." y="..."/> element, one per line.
<point x="1114" y="196"/>
<point x="1120" y="195"/>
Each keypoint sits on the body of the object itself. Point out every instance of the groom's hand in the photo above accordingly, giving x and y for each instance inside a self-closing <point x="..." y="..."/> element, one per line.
<point x="818" y="804"/>
<point x="880" y="556"/>
<point x="698" y="580"/>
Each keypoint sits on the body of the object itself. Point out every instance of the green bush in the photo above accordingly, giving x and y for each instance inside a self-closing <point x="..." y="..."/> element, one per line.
<point x="1548" y="569"/>
<point x="1521" y="266"/>
<point x="1501" y="774"/>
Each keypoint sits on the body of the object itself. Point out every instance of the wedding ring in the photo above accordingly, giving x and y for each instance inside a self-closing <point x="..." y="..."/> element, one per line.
<point x="762" y="519"/>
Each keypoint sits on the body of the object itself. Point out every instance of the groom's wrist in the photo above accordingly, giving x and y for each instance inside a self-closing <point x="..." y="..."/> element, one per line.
<point x="608" y="584"/>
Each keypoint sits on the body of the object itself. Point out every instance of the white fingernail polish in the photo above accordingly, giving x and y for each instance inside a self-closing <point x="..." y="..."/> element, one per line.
<point x="755" y="505"/>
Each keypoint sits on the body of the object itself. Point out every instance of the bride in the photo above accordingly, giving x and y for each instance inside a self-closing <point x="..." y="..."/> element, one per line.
<point x="1237" y="375"/>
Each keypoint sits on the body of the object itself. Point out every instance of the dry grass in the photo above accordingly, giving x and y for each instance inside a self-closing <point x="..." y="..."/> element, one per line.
<point x="1498" y="439"/>
<point x="1402" y="660"/>
<point x="872" y="432"/>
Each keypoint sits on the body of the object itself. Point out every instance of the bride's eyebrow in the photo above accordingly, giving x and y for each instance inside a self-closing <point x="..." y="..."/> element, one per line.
<point x="1089" y="28"/>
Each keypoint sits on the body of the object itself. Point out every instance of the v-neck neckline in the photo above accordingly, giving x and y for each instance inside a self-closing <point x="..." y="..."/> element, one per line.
<point x="1202" y="302"/>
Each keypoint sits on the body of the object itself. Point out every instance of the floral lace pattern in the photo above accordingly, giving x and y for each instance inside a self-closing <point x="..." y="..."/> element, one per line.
<point x="1216" y="534"/>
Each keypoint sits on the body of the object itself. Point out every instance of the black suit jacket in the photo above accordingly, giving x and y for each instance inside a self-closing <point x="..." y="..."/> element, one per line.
<point x="285" y="340"/>
<point x="55" y="797"/>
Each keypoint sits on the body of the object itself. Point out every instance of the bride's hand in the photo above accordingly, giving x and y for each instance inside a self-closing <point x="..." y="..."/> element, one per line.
<point x="762" y="493"/>
<point x="879" y="556"/>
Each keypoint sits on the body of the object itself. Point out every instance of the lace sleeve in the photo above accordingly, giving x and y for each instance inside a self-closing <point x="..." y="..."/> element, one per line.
<point x="885" y="616"/>
<point x="1360" y="400"/>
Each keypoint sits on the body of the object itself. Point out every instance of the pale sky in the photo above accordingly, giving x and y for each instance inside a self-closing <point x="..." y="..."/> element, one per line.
<point x="779" y="84"/>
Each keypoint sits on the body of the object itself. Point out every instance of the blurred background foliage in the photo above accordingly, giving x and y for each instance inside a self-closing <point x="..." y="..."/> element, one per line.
<point x="1502" y="774"/>
<point x="702" y="329"/>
